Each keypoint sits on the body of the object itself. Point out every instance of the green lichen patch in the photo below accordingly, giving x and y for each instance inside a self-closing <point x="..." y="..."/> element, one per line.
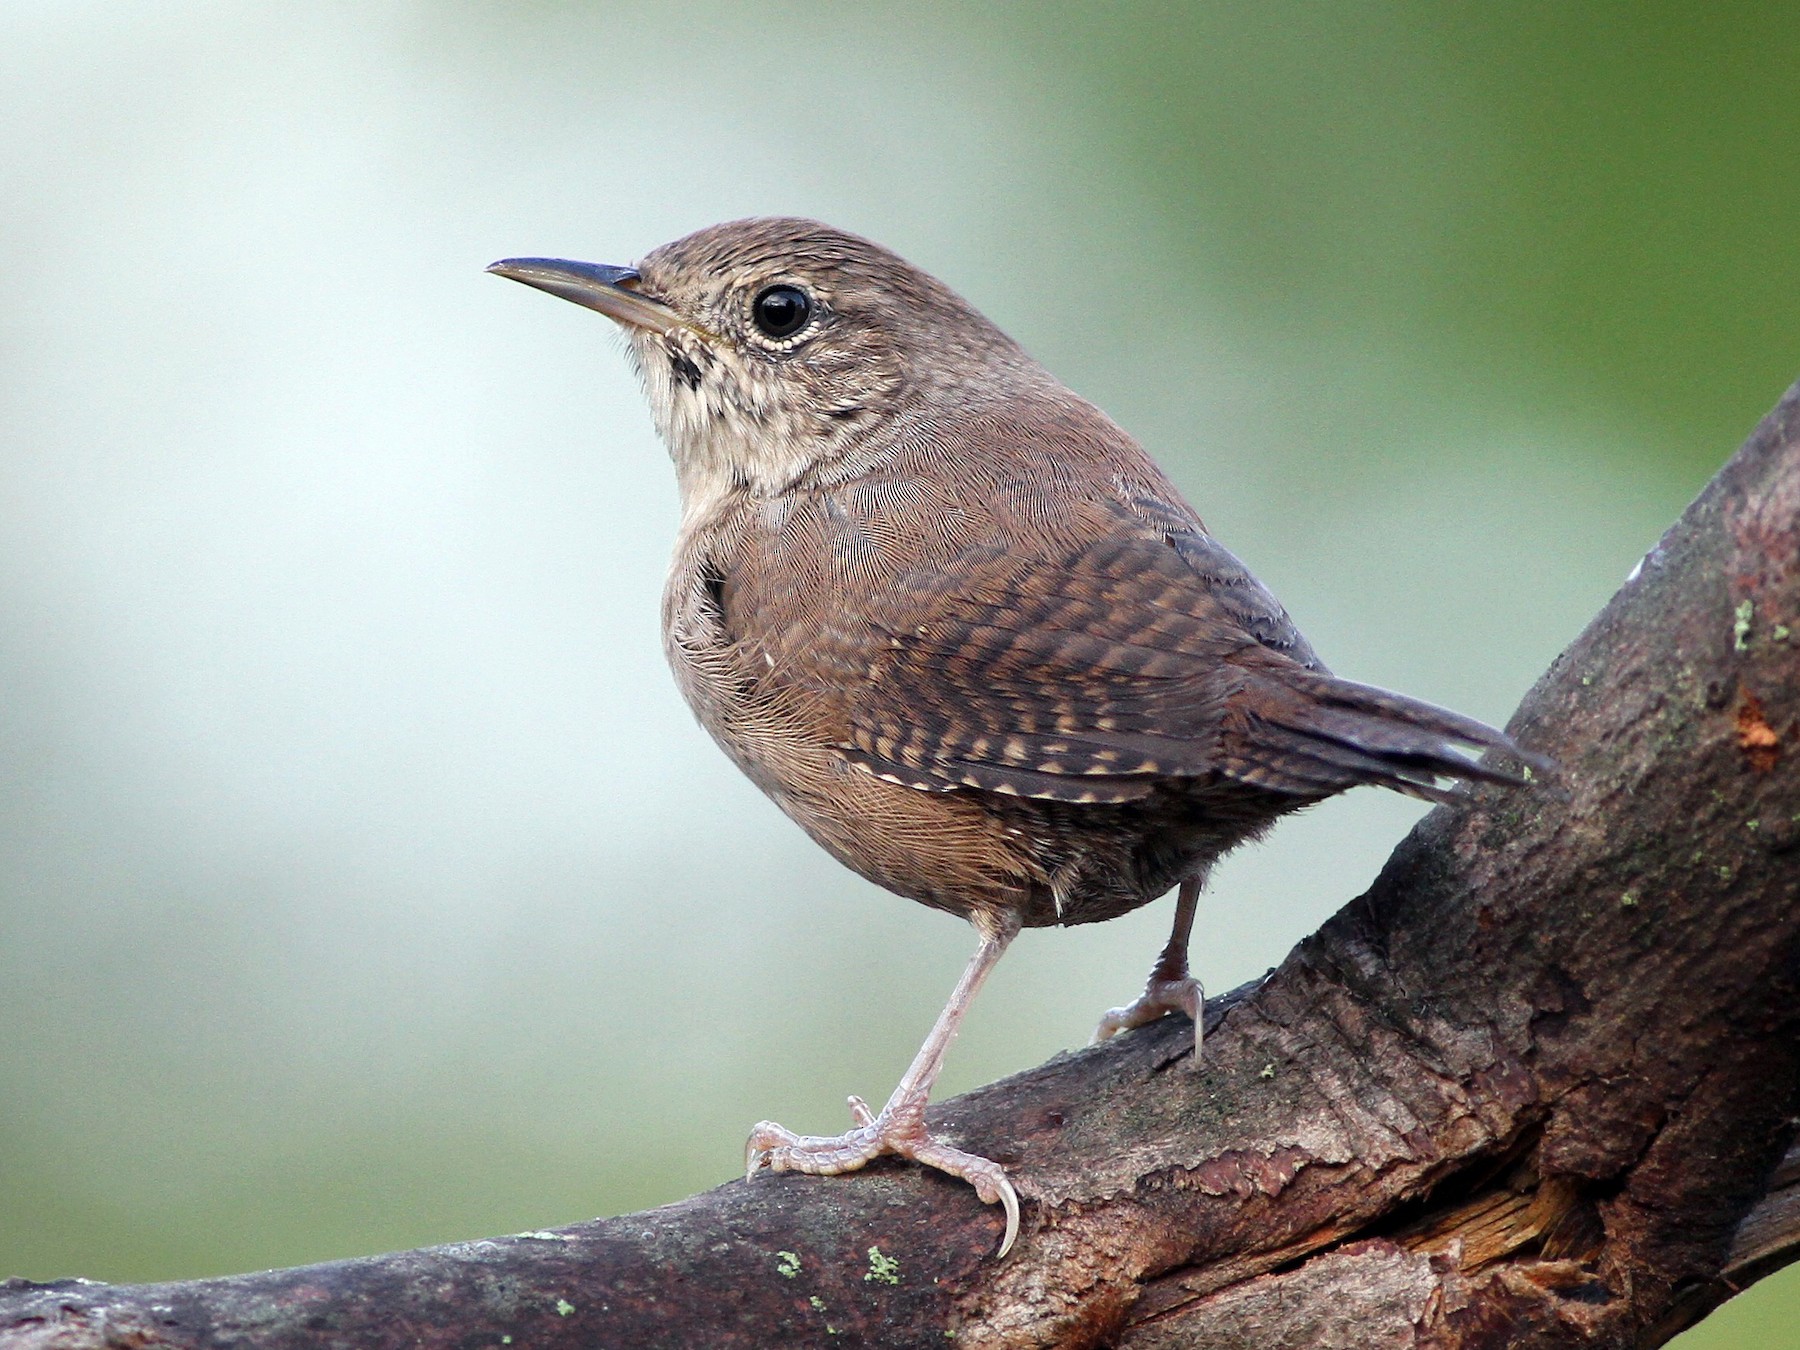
<point x="883" y="1269"/>
<point x="787" y="1264"/>
<point x="564" y="1307"/>
<point x="1628" y="900"/>
<point x="817" y="1303"/>
<point x="1743" y="617"/>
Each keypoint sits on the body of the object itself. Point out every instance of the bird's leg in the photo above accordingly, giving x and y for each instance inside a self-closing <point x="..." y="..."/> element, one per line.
<point x="900" y="1127"/>
<point x="1170" y="987"/>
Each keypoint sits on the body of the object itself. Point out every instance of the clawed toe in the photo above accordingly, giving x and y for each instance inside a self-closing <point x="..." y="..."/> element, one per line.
<point x="900" y="1127"/>
<point x="1160" y="998"/>
<point x="901" y="1133"/>
<point x="781" y="1150"/>
<point x="766" y="1138"/>
<point x="989" y="1179"/>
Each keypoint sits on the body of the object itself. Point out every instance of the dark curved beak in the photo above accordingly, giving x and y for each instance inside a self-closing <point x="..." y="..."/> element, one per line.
<point x="611" y="290"/>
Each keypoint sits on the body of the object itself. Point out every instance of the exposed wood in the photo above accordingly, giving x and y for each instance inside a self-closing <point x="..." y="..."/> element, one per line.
<point x="1536" y="1088"/>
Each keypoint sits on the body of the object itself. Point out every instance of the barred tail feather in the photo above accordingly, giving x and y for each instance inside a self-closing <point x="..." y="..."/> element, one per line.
<point x="1312" y="734"/>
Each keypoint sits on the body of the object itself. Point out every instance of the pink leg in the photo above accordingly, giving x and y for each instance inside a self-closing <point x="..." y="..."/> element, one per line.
<point x="900" y="1128"/>
<point x="1170" y="988"/>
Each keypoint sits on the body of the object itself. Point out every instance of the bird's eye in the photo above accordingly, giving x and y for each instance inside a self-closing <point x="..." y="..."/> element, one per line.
<point x="782" y="311"/>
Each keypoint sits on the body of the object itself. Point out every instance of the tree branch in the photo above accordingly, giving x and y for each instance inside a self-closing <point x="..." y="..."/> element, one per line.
<point x="1536" y="1087"/>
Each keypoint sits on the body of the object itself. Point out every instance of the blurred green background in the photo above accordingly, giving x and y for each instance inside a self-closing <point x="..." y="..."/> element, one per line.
<point x="363" y="881"/>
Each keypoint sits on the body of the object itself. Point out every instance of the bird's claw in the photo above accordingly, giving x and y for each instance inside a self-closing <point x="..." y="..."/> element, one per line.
<point x="898" y="1132"/>
<point x="992" y="1185"/>
<point x="1160" y="998"/>
<point x="765" y="1137"/>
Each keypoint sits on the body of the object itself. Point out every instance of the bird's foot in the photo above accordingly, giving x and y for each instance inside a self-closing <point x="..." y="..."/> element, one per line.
<point x="1161" y="997"/>
<point x="898" y="1130"/>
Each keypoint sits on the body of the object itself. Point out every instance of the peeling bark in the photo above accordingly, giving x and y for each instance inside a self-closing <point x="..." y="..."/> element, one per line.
<point x="1536" y="1088"/>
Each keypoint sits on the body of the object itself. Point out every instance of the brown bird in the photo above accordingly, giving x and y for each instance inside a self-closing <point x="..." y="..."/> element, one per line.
<point x="957" y="624"/>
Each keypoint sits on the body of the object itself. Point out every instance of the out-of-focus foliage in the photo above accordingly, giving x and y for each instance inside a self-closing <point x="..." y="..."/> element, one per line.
<point x="1590" y="204"/>
<point x="363" y="882"/>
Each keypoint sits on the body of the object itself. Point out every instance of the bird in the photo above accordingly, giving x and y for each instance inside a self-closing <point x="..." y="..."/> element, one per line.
<point x="962" y="629"/>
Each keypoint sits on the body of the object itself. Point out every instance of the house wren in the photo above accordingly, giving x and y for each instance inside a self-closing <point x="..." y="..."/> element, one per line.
<point x="961" y="628"/>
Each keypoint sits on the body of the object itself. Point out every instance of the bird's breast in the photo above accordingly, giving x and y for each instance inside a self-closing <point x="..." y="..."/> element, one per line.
<point x="761" y="649"/>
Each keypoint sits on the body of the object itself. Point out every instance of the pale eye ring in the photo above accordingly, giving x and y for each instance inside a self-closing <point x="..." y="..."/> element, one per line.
<point x="782" y="310"/>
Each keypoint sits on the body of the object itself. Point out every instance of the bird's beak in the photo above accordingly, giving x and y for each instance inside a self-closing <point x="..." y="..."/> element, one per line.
<point x="611" y="290"/>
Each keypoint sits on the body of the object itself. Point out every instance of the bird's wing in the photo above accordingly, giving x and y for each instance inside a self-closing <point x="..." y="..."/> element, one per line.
<point x="1092" y="674"/>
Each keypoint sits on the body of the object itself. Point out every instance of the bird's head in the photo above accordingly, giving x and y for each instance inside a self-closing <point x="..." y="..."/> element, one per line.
<point x="777" y="351"/>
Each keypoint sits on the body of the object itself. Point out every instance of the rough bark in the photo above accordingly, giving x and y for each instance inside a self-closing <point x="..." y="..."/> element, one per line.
<point x="1536" y="1088"/>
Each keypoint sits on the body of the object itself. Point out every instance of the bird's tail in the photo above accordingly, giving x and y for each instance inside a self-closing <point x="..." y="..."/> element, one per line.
<point x="1312" y="734"/>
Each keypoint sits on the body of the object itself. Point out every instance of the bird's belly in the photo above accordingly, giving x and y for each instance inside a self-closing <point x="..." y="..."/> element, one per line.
<point x="964" y="850"/>
<point x="1102" y="861"/>
<point x="938" y="848"/>
<point x="967" y="851"/>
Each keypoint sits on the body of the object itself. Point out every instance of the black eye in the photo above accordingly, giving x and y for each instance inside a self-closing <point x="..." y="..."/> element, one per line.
<point x="782" y="311"/>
